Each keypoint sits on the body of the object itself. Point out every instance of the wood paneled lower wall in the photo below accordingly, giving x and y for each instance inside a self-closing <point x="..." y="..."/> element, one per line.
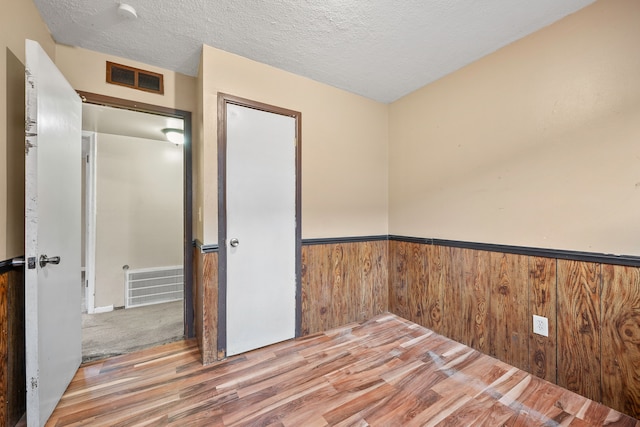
<point x="13" y="392"/>
<point x="206" y="304"/>
<point x="341" y="283"/>
<point x="486" y="300"/>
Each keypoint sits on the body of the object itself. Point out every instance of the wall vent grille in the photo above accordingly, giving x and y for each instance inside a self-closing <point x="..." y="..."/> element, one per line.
<point x="154" y="286"/>
<point x="135" y="78"/>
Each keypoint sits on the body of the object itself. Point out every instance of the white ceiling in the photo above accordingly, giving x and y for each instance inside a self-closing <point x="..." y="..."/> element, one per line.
<point x="381" y="49"/>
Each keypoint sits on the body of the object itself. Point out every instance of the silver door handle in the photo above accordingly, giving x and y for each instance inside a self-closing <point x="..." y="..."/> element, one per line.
<point x="234" y="242"/>
<point x="44" y="260"/>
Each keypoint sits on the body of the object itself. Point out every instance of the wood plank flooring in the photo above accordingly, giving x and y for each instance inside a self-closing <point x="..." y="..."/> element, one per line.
<point x="383" y="372"/>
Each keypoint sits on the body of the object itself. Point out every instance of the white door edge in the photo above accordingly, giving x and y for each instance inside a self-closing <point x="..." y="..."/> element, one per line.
<point x="90" y="218"/>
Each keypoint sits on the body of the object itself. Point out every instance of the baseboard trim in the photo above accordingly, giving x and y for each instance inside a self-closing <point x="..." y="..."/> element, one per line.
<point x="105" y="309"/>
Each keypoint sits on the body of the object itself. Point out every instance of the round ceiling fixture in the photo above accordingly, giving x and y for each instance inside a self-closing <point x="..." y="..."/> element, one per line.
<point x="174" y="135"/>
<point x="127" y="11"/>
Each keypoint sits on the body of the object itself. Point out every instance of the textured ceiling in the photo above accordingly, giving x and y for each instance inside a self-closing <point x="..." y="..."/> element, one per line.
<point x="381" y="49"/>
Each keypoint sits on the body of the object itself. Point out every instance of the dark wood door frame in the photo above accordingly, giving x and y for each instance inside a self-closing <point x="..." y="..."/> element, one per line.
<point x="92" y="98"/>
<point x="223" y="101"/>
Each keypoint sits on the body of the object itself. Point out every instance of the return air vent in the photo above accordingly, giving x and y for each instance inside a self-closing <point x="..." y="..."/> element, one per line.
<point x="153" y="285"/>
<point x="135" y="78"/>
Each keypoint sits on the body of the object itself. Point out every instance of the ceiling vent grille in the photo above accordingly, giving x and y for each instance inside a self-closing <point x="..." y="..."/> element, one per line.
<point x="135" y="78"/>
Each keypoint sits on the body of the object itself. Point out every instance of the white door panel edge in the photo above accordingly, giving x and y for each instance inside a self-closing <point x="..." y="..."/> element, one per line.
<point x="261" y="215"/>
<point x="89" y="149"/>
<point x="52" y="193"/>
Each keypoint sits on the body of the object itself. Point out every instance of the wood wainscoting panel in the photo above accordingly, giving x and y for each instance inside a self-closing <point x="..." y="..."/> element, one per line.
<point x="542" y="302"/>
<point x="207" y="305"/>
<point x="305" y="302"/>
<point x="418" y="276"/>
<point x="579" y="327"/>
<point x="342" y="283"/>
<point x="436" y="282"/>
<point x="399" y="265"/>
<point x="452" y="293"/>
<point x="486" y="300"/>
<point x="417" y="279"/>
<point x="509" y="314"/>
<point x="336" y="285"/>
<point x="476" y="299"/>
<point x="621" y="338"/>
<point x="13" y="391"/>
<point x="316" y="292"/>
<point x="354" y="268"/>
<point x="198" y="296"/>
<point x="357" y="298"/>
<point x="16" y="375"/>
<point x="375" y="260"/>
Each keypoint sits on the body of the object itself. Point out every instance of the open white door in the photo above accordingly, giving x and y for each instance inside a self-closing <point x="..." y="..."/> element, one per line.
<point x="52" y="186"/>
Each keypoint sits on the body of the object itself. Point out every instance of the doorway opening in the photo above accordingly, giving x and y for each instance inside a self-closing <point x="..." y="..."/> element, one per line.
<point x="137" y="262"/>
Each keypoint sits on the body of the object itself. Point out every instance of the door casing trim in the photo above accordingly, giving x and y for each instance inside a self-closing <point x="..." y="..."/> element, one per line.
<point x="223" y="101"/>
<point x="94" y="98"/>
<point x="90" y="220"/>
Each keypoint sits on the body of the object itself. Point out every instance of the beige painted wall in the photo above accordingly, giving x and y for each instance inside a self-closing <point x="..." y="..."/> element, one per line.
<point x="197" y="164"/>
<point x="19" y="20"/>
<point x="344" y="145"/>
<point x="139" y="210"/>
<point x="537" y="144"/>
<point x="86" y="70"/>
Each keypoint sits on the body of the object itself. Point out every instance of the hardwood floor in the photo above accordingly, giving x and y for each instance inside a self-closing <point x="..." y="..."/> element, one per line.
<point x="383" y="372"/>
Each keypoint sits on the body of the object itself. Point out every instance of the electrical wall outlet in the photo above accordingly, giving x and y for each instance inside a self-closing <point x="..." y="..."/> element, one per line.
<point x="540" y="325"/>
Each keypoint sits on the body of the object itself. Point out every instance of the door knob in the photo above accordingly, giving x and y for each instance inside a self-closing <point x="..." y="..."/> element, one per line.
<point x="44" y="260"/>
<point x="234" y="242"/>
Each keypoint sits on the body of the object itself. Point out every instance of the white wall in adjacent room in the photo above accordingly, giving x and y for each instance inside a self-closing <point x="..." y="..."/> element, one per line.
<point x="139" y="187"/>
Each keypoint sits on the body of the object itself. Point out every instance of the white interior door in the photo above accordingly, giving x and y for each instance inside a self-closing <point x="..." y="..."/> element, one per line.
<point x="261" y="228"/>
<point x="52" y="185"/>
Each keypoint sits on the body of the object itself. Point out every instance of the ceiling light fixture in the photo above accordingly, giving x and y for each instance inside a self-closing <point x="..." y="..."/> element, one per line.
<point x="174" y="135"/>
<point x="127" y="11"/>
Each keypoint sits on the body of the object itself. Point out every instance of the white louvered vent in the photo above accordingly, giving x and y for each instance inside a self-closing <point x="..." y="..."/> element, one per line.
<point x="154" y="285"/>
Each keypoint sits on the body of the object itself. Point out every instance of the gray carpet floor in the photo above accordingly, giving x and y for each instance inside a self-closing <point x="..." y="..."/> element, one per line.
<point x="127" y="330"/>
